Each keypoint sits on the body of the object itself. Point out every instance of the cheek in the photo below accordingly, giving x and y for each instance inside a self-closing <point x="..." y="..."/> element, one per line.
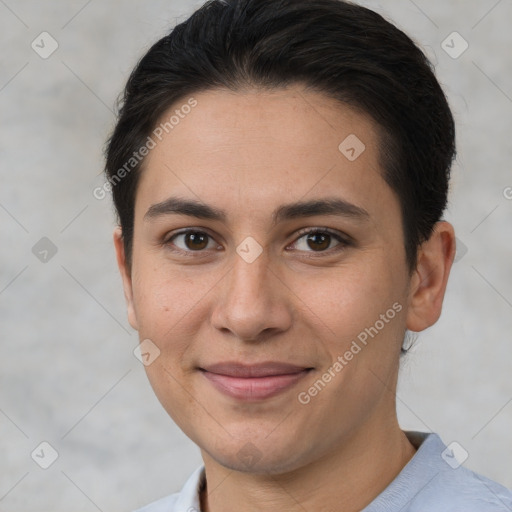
<point x="360" y="312"/>
<point x="160" y="300"/>
<point x="159" y="291"/>
<point x="171" y="390"/>
<point x="346" y="300"/>
<point x="166" y="304"/>
<point x="171" y="306"/>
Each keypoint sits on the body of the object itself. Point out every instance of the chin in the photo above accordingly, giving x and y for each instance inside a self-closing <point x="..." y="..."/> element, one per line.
<point x="246" y="455"/>
<point x="255" y="465"/>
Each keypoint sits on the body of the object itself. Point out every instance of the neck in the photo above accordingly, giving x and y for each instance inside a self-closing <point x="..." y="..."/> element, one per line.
<point x="348" y="478"/>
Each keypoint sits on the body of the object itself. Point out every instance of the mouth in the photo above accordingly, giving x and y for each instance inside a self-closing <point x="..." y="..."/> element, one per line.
<point x="254" y="382"/>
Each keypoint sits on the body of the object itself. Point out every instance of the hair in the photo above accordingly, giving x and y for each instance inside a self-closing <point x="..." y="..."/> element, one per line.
<point x="345" y="51"/>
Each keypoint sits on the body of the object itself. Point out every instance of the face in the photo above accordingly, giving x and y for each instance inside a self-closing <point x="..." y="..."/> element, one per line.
<point x="269" y="270"/>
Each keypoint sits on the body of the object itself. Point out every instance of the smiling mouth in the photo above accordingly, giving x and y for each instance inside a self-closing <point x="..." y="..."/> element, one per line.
<point x="253" y="382"/>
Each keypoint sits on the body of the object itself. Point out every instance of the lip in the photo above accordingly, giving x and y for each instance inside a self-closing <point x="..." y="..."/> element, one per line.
<point x="253" y="382"/>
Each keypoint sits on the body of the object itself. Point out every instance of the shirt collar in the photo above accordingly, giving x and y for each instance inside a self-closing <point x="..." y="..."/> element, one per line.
<point x="188" y="500"/>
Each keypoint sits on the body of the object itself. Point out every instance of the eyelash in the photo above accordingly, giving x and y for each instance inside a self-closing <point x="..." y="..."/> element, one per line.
<point x="344" y="241"/>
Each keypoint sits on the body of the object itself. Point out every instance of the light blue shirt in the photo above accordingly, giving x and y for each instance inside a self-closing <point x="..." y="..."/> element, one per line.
<point x="432" y="481"/>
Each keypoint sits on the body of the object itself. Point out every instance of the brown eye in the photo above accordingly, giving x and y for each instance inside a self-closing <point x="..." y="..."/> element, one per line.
<point x="190" y="241"/>
<point x="196" y="240"/>
<point x="318" y="241"/>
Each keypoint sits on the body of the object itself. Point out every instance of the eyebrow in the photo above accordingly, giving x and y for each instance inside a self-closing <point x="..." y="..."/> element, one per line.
<point x="193" y="208"/>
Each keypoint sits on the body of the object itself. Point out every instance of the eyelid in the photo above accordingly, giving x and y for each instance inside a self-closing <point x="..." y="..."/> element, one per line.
<point x="166" y="241"/>
<point x="343" y="239"/>
<point x="169" y="236"/>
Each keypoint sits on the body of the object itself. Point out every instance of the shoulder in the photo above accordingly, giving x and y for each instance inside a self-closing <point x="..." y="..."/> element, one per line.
<point x="463" y="489"/>
<point x="434" y="480"/>
<point x="453" y="488"/>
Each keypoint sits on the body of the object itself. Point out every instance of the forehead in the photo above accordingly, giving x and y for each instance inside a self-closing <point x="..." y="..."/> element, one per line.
<point x="253" y="150"/>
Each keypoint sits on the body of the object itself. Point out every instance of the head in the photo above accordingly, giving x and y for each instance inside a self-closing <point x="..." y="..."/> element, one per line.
<point x="306" y="146"/>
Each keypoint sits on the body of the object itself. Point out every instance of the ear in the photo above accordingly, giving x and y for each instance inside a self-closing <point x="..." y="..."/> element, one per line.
<point x="126" y="277"/>
<point x="428" y="283"/>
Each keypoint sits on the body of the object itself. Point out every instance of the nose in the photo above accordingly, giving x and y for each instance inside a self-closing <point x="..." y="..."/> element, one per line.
<point x="252" y="303"/>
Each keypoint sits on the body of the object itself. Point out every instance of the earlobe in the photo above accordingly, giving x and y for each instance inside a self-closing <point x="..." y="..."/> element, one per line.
<point x="429" y="280"/>
<point x="125" y="276"/>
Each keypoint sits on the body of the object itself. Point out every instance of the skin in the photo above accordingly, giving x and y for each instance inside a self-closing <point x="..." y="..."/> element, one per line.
<point x="248" y="153"/>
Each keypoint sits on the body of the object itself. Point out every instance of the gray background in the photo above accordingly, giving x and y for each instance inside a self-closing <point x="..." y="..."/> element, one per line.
<point x="68" y="374"/>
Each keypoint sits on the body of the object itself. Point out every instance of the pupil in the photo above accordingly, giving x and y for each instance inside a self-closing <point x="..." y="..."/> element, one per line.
<point x="196" y="240"/>
<point x="319" y="240"/>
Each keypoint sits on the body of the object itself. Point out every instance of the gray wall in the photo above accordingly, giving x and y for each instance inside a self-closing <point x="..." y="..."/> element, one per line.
<point x="68" y="375"/>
